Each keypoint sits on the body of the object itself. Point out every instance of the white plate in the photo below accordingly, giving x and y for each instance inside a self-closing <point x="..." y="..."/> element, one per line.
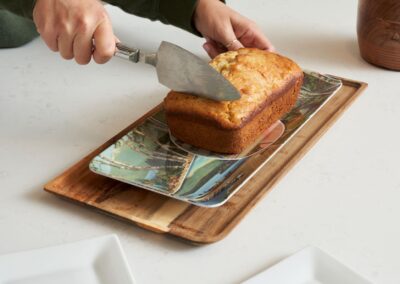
<point x="308" y="266"/>
<point x="93" y="261"/>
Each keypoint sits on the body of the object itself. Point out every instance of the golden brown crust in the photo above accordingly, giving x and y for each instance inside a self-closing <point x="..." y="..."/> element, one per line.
<point x="269" y="85"/>
<point x="260" y="76"/>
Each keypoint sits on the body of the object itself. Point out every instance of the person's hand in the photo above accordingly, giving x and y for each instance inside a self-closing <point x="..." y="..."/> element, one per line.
<point x="70" y="26"/>
<point x="224" y="29"/>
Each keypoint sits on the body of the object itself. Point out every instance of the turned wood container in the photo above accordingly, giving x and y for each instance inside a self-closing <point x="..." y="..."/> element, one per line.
<point x="378" y="29"/>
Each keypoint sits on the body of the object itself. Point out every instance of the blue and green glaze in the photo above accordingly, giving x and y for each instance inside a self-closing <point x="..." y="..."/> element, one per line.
<point x="147" y="158"/>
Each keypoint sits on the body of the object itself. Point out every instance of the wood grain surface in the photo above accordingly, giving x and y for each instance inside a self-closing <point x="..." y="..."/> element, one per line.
<point x="378" y="28"/>
<point x="161" y="214"/>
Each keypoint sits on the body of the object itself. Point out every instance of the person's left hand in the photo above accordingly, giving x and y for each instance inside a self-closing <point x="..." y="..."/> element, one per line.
<point x="224" y="29"/>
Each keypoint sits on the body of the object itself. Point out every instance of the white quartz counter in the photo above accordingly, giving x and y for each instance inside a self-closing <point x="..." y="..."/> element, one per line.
<point x="343" y="196"/>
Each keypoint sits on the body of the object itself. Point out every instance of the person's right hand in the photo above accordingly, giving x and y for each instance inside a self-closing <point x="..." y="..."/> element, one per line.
<point x="70" y="26"/>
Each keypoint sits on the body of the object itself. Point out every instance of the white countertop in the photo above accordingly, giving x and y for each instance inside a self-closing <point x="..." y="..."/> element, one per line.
<point x="343" y="196"/>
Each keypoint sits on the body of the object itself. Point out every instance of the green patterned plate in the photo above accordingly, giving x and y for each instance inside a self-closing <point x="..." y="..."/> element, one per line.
<point x="147" y="157"/>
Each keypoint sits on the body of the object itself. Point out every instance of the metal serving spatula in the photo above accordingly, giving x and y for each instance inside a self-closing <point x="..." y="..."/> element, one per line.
<point x="182" y="71"/>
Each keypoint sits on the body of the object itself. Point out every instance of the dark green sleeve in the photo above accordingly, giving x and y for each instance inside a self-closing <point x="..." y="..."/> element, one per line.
<point x="16" y="26"/>
<point x="174" y="12"/>
<point x="22" y="8"/>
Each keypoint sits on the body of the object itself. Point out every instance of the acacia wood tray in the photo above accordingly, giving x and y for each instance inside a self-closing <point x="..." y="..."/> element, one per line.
<point x="162" y="214"/>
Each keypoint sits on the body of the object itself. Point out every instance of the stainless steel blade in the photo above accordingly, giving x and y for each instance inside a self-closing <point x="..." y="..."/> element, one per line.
<point x="183" y="71"/>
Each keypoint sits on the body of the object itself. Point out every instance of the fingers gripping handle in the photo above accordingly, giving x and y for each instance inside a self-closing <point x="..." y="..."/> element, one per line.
<point x="125" y="52"/>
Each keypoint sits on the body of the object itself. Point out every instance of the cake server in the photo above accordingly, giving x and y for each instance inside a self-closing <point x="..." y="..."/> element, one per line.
<point x="182" y="71"/>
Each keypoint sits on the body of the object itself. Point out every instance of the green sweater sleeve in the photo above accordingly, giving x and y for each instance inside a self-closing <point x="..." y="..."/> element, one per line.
<point x="175" y="12"/>
<point x="22" y="8"/>
<point x="16" y="26"/>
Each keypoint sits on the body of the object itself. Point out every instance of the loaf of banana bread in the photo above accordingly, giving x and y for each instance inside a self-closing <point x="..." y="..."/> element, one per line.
<point x="269" y="85"/>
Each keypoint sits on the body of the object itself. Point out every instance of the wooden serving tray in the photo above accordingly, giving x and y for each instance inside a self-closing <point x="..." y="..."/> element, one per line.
<point x="162" y="214"/>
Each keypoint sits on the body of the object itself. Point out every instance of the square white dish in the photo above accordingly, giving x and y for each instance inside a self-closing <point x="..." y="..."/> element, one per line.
<point x="308" y="266"/>
<point x="94" y="261"/>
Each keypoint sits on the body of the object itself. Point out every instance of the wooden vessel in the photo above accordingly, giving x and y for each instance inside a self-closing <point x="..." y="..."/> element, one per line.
<point x="378" y="29"/>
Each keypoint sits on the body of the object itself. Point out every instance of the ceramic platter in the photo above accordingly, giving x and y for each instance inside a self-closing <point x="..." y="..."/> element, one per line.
<point x="148" y="157"/>
<point x="94" y="261"/>
<point x="308" y="266"/>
